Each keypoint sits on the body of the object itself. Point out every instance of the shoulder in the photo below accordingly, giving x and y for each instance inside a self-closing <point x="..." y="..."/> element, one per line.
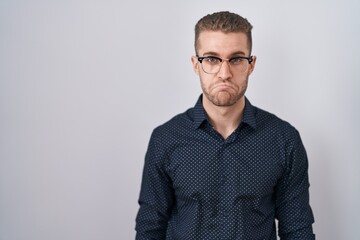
<point x="270" y="124"/>
<point x="280" y="135"/>
<point x="178" y="124"/>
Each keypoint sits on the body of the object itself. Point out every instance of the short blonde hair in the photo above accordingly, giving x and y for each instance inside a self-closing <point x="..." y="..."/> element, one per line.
<point x="226" y="22"/>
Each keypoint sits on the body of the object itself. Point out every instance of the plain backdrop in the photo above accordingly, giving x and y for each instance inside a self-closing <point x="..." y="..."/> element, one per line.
<point x="83" y="84"/>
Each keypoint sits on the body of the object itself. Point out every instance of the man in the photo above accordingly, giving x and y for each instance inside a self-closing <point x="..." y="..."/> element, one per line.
<point x="224" y="169"/>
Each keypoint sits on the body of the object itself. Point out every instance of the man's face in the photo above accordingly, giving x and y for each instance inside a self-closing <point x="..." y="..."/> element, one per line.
<point x="227" y="86"/>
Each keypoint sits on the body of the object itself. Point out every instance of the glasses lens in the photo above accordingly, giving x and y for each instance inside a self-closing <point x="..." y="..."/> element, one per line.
<point x="239" y="64"/>
<point x="211" y="65"/>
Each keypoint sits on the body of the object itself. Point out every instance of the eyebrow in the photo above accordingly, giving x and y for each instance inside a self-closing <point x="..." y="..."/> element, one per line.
<point x="216" y="54"/>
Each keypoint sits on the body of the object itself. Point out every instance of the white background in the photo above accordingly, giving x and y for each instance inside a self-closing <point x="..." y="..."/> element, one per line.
<point x="83" y="83"/>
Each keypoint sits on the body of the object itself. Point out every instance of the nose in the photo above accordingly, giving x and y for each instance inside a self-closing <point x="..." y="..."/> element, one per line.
<point x="225" y="71"/>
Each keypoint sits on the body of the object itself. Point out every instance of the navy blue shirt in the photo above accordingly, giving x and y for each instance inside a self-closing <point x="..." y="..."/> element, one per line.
<point x="197" y="185"/>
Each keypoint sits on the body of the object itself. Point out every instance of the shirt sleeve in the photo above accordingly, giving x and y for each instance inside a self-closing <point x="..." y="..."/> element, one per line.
<point x="156" y="195"/>
<point x="293" y="210"/>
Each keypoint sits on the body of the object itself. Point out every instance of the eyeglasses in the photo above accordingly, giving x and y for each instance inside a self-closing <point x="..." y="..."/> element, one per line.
<point x="212" y="65"/>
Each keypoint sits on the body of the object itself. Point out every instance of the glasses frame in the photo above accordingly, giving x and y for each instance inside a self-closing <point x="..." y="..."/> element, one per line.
<point x="200" y="59"/>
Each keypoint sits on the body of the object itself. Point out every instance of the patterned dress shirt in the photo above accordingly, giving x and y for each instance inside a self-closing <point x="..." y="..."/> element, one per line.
<point x="199" y="186"/>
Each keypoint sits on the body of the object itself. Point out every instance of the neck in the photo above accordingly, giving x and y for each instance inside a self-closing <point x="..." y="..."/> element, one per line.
<point x="224" y="119"/>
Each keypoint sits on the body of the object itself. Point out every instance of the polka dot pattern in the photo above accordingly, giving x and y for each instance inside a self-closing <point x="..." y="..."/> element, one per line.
<point x="197" y="185"/>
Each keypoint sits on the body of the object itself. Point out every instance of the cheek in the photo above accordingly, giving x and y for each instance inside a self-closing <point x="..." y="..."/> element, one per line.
<point x="206" y="80"/>
<point x="242" y="80"/>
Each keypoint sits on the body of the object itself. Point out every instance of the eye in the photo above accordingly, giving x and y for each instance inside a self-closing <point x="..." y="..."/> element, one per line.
<point x="212" y="60"/>
<point x="236" y="60"/>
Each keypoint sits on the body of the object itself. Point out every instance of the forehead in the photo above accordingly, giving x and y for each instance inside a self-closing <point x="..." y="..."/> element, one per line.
<point x="223" y="44"/>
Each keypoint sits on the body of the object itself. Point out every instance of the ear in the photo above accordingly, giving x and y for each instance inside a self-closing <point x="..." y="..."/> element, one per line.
<point x="195" y="63"/>
<point x="252" y="65"/>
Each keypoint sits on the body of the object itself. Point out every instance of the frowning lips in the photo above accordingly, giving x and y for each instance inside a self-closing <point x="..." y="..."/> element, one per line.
<point x="223" y="86"/>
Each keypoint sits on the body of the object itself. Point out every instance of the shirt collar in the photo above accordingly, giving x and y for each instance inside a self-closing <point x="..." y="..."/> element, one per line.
<point x="248" y="117"/>
<point x="199" y="113"/>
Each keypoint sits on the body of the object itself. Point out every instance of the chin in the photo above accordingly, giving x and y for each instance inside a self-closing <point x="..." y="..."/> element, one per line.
<point x="224" y="101"/>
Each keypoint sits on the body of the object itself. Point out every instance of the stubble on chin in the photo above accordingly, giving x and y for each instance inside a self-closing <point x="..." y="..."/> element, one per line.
<point x="222" y="99"/>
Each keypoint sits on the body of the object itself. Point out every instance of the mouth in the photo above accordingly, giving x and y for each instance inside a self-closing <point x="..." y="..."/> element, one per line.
<point x="222" y="87"/>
